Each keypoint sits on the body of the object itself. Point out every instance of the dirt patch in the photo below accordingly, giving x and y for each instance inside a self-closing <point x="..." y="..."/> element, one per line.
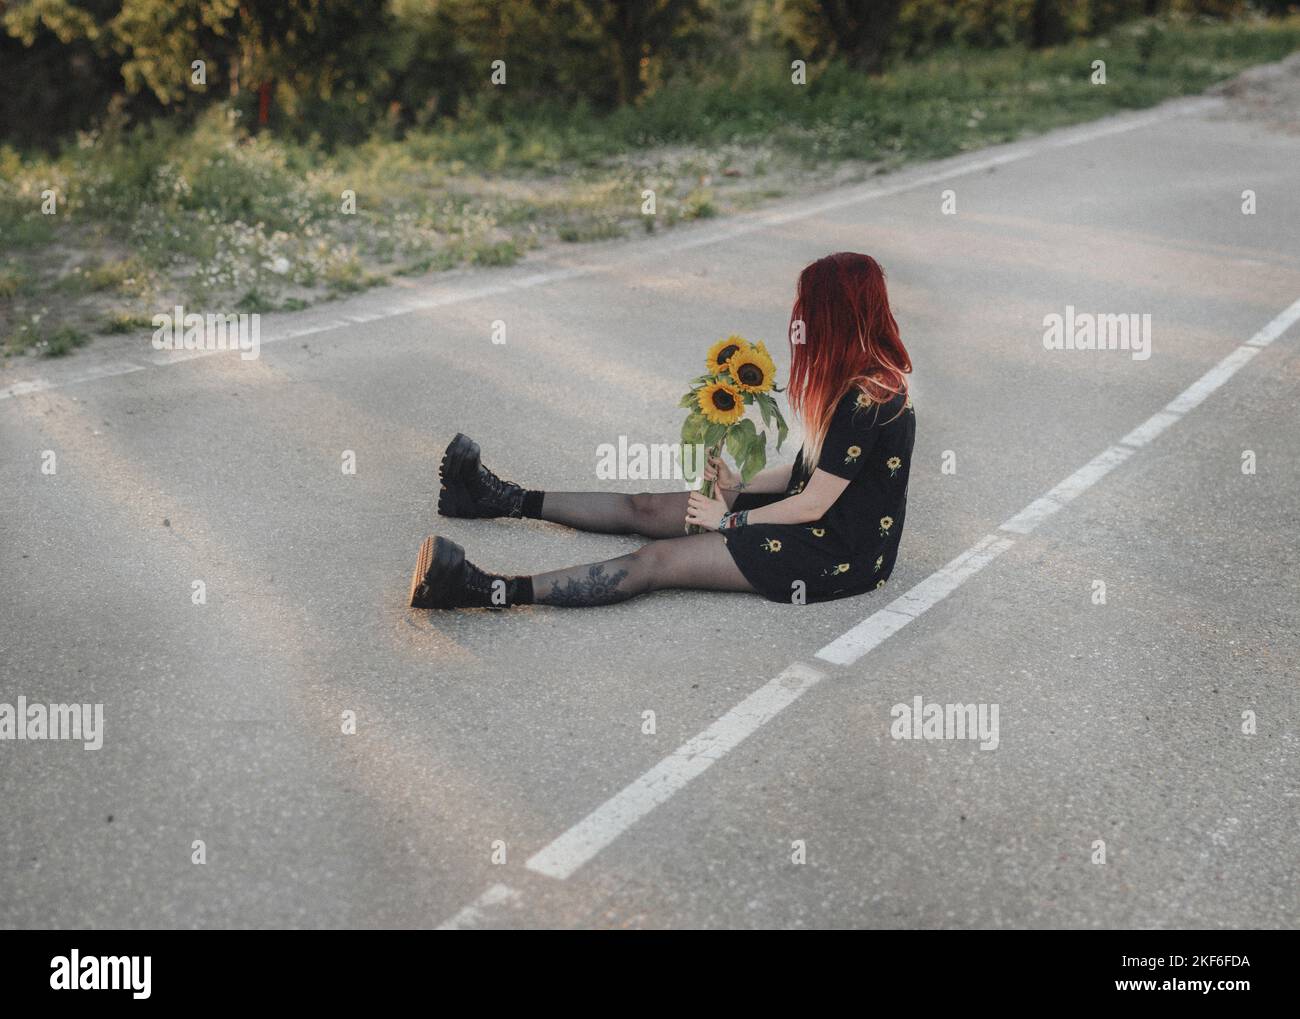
<point x="1270" y="93"/>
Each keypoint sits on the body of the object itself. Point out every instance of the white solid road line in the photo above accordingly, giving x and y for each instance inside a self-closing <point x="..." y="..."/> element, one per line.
<point x="1069" y="489"/>
<point x="1192" y="396"/>
<point x="881" y="625"/>
<point x="1277" y="327"/>
<point x="476" y="912"/>
<point x="562" y="857"/>
<point x="613" y="817"/>
<point x="406" y="303"/>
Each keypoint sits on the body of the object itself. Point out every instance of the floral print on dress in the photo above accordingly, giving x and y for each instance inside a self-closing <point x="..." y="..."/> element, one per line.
<point x="851" y="548"/>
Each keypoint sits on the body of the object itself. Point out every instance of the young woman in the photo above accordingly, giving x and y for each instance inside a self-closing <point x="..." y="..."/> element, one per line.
<point x="828" y="527"/>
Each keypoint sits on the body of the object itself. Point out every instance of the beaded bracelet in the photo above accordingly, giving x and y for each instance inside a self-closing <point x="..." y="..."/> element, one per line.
<point x="730" y="521"/>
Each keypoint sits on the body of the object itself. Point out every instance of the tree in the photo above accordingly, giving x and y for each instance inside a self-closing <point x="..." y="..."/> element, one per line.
<point x="861" y="32"/>
<point x="632" y="32"/>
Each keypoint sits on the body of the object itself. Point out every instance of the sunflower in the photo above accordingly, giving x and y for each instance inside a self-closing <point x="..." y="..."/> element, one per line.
<point x="885" y="524"/>
<point x="721" y="404"/>
<point x="772" y="545"/>
<point x="721" y="353"/>
<point x="818" y="532"/>
<point x="853" y="453"/>
<point x="753" y="370"/>
<point x="893" y="463"/>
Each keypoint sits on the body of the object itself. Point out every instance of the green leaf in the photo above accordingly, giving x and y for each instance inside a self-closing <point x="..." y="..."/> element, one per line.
<point x="772" y="411"/>
<point x="736" y="445"/>
<point x="693" y="429"/>
<point x="714" y="434"/>
<point x="739" y="438"/>
<point x="692" y="435"/>
<point x="781" y="428"/>
<point x="755" y="458"/>
<point x="689" y="400"/>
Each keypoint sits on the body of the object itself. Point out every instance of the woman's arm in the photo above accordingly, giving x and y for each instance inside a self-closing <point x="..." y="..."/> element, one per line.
<point x="811" y="504"/>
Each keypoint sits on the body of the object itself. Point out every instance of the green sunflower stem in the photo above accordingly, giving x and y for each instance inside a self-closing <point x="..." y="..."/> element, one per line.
<point x="706" y="487"/>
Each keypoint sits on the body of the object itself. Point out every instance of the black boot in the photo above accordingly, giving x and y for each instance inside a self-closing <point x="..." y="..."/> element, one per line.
<point x="445" y="579"/>
<point x="468" y="489"/>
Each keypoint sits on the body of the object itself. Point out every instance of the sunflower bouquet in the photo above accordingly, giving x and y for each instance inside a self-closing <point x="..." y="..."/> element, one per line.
<point x="740" y="375"/>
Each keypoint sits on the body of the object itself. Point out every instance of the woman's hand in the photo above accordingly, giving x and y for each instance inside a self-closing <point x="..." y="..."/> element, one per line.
<point x="704" y="512"/>
<point x="717" y="471"/>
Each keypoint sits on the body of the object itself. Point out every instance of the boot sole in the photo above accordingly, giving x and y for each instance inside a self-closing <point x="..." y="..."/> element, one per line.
<point x="439" y="560"/>
<point x="453" y="500"/>
<point x="422" y="563"/>
<point x="461" y="451"/>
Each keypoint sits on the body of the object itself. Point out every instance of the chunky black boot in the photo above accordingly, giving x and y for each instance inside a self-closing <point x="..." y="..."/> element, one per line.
<point x="468" y="489"/>
<point x="445" y="579"/>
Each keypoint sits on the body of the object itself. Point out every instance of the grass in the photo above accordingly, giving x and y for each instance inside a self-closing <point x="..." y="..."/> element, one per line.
<point x="31" y="338"/>
<point x="123" y="322"/>
<point x="217" y="220"/>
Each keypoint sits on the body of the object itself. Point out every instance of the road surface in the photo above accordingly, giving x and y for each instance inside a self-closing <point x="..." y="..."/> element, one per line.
<point x="500" y="773"/>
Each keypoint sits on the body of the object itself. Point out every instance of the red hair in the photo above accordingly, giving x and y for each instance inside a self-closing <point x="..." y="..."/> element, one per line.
<point x="849" y="341"/>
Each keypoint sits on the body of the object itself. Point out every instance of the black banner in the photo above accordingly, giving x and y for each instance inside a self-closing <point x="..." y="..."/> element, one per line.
<point x="142" y="970"/>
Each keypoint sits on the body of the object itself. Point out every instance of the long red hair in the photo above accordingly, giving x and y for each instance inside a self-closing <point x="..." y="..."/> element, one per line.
<point x="842" y="337"/>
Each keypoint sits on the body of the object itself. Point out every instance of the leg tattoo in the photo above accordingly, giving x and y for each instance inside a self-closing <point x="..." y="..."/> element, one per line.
<point x="700" y="561"/>
<point x="597" y="587"/>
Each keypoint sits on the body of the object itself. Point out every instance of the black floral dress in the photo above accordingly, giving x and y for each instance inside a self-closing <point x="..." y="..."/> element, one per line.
<point x="852" y="548"/>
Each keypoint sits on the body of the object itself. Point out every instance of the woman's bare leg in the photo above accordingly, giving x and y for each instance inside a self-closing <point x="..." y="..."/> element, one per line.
<point x="699" y="561"/>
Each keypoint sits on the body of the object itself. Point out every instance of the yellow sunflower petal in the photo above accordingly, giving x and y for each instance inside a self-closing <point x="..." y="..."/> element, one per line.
<point x="753" y="370"/>
<point x="723" y="351"/>
<point x="720" y="403"/>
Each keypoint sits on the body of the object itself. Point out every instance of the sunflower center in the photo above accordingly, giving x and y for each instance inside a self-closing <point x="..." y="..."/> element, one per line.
<point x="723" y="400"/>
<point x="726" y="353"/>
<point x="751" y="374"/>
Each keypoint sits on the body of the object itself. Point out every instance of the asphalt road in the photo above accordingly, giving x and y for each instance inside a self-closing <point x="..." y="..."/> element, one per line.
<point x="1119" y="722"/>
